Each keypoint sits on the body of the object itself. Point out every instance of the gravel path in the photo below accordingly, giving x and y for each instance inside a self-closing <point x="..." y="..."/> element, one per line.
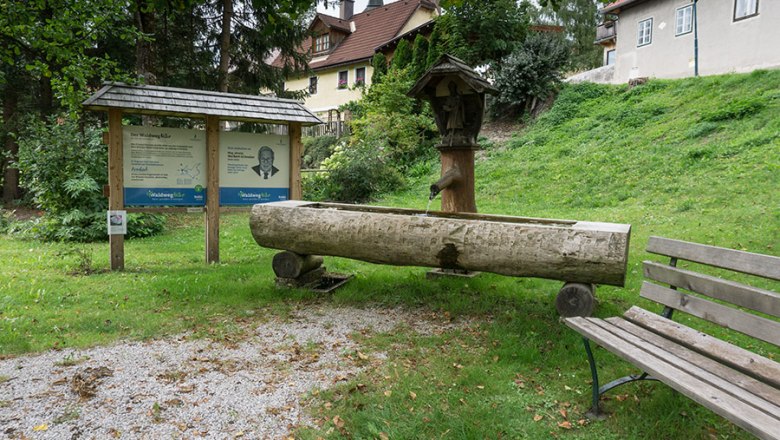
<point x="181" y="388"/>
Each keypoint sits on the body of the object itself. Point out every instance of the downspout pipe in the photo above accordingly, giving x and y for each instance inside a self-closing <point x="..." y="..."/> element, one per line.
<point x="695" y="39"/>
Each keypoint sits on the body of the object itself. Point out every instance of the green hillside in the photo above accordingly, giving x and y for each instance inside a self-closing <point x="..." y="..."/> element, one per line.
<point x="695" y="159"/>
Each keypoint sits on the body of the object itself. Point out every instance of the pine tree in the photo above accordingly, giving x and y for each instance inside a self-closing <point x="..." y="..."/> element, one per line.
<point x="402" y="56"/>
<point x="379" y="63"/>
<point x="419" y="56"/>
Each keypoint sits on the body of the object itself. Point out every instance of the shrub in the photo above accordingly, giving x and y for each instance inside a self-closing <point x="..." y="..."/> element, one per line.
<point x="317" y="149"/>
<point x="356" y="174"/>
<point x="393" y="133"/>
<point x="64" y="168"/>
<point x="529" y="74"/>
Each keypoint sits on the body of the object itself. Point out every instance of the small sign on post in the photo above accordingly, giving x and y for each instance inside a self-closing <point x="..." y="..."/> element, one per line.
<point x="117" y="222"/>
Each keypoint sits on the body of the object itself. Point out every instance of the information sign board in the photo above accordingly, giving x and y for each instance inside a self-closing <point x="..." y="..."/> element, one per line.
<point x="164" y="166"/>
<point x="253" y="168"/>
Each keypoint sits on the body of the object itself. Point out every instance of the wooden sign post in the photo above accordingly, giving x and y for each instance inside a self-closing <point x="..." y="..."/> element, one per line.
<point x="116" y="199"/>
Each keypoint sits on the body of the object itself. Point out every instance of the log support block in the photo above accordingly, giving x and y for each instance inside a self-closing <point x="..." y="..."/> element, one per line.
<point x="576" y="299"/>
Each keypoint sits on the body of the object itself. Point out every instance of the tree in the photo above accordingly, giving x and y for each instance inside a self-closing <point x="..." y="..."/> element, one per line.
<point x="51" y="47"/>
<point x="419" y="56"/>
<point x="379" y="63"/>
<point x="529" y="74"/>
<point x="435" y="45"/>
<point x="402" y="56"/>
<point x="579" y="19"/>
<point x="483" y="31"/>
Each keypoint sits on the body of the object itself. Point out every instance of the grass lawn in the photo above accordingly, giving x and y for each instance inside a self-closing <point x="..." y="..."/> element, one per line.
<point x="659" y="157"/>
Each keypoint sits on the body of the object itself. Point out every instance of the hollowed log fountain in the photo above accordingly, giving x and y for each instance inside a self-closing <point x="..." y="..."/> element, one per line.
<point x="581" y="254"/>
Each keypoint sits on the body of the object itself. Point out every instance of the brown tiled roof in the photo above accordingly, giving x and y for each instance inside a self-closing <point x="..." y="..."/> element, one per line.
<point x="334" y="22"/>
<point x="372" y="29"/>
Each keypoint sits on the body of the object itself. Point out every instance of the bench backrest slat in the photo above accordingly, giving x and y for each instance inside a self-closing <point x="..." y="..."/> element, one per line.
<point x="753" y="298"/>
<point x="766" y="266"/>
<point x="747" y="323"/>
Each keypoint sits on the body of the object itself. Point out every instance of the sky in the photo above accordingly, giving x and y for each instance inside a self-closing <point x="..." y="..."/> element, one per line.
<point x="333" y="7"/>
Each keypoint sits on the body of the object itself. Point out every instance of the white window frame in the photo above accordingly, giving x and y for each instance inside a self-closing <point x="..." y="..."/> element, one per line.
<point x="356" y="75"/>
<point x="645" y="32"/>
<point x="321" y="43"/>
<point x="681" y="26"/>
<point x="750" y="9"/>
<point x="339" y="83"/>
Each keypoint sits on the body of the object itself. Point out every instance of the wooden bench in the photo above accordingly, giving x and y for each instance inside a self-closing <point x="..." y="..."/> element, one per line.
<point x="738" y="384"/>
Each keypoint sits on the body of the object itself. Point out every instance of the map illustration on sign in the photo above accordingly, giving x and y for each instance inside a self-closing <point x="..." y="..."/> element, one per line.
<point x="162" y="166"/>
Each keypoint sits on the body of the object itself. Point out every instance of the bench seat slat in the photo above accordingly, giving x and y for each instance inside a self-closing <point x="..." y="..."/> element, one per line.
<point x="753" y="298"/>
<point x="752" y="364"/>
<point x="745" y="415"/>
<point x="662" y="352"/>
<point x="747" y="323"/>
<point x="766" y="266"/>
<point x="751" y="385"/>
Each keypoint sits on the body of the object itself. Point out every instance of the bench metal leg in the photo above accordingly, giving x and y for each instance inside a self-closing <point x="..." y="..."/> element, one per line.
<point x="595" y="410"/>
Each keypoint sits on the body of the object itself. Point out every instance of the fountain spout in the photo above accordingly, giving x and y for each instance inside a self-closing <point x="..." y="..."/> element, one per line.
<point x="453" y="175"/>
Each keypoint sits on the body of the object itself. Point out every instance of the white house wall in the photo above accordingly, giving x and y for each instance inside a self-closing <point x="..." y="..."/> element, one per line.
<point x="725" y="45"/>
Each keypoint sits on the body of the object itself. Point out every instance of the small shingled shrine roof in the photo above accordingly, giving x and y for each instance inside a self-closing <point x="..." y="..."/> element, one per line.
<point x="448" y="65"/>
<point x="170" y="101"/>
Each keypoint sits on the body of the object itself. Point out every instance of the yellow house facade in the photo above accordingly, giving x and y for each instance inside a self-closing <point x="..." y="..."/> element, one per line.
<point x="342" y="48"/>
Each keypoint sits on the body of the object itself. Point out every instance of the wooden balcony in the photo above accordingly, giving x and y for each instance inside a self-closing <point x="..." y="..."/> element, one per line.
<point x="605" y="32"/>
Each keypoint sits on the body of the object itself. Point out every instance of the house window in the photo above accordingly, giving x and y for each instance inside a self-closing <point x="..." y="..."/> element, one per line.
<point x="745" y="9"/>
<point x="683" y="20"/>
<point x="645" y="36"/>
<point x="360" y="76"/>
<point x="610" y="57"/>
<point x="342" y="84"/>
<point x="312" y="85"/>
<point x="322" y="43"/>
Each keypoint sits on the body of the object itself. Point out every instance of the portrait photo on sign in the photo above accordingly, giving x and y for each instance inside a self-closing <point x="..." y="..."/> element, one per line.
<point x="265" y="167"/>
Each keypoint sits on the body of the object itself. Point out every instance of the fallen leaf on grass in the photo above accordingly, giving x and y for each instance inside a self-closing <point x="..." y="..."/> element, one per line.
<point x="564" y="414"/>
<point x="565" y="425"/>
<point x="383" y="436"/>
<point x="412" y="395"/>
<point x="388" y="393"/>
<point x="537" y="418"/>
<point x="338" y="421"/>
<point x="42" y="427"/>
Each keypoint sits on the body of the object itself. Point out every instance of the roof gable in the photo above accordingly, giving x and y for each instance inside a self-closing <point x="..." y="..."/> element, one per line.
<point x="365" y="32"/>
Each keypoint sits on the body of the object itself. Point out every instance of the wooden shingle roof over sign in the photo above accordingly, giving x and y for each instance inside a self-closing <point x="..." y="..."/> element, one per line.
<point x="170" y="101"/>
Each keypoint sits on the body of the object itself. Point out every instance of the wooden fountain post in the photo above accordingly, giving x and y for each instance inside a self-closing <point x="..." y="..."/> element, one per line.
<point x="457" y="95"/>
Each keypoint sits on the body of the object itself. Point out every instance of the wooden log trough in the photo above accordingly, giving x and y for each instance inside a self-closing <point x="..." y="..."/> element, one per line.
<point x="580" y="253"/>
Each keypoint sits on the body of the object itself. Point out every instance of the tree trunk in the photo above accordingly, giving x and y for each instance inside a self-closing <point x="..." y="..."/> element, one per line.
<point x="10" y="147"/>
<point x="46" y="97"/>
<point x="144" y="50"/>
<point x="224" y="45"/>
<point x="563" y="250"/>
